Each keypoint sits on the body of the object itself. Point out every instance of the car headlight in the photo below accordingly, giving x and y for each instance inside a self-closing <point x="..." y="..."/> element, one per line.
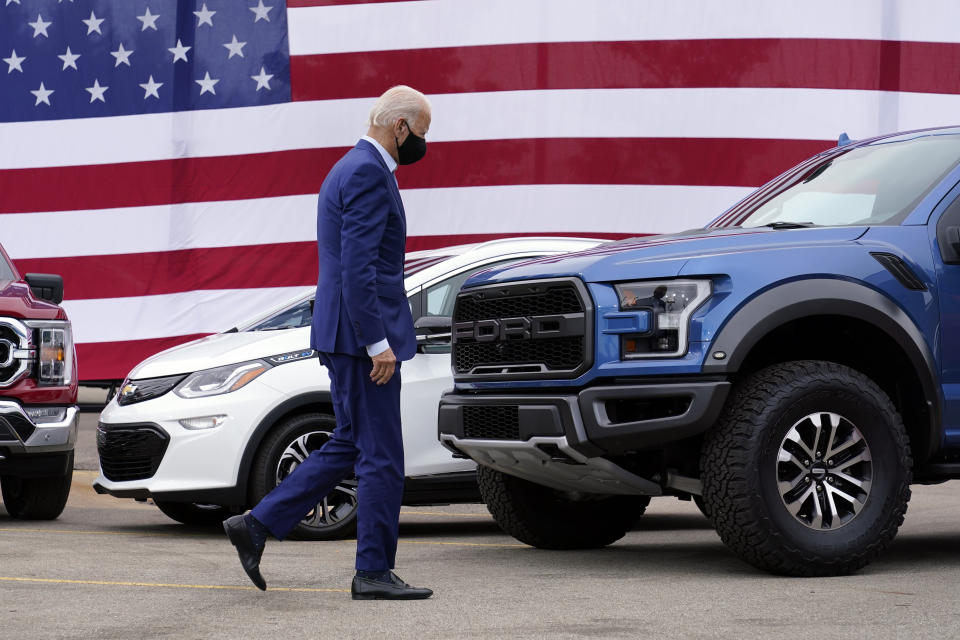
<point x="55" y="351"/>
<point x="225" y="379"/>
<point x="669" y="303"/>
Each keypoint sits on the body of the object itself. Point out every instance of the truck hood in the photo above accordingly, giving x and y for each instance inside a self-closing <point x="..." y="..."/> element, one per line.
<point x="221" y="349"/>
<point x="663" y="256"/>
<point x="16" y="301"/>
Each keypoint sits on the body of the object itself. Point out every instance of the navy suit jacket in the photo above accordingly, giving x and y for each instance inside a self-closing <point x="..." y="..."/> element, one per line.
<point x="361" y="240"/>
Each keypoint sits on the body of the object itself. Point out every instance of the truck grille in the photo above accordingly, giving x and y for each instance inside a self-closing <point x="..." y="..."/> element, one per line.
<point x="532" y="329"/>
<point x="9" y="367"/>
<point x="491" y="422"/>
<point x="130" y="452"/>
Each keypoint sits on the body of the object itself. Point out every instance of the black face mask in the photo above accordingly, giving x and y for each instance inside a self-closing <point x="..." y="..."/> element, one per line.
<point x="412" y="149"/>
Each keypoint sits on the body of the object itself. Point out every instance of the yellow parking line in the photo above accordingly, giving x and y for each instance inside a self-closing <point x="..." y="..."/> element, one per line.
<point x="99" y="533"/>
<point x="136" y="533"/>
<point x="407" y="512"/>
<point x="464" y="544"/>
<point x="166" y="585"/>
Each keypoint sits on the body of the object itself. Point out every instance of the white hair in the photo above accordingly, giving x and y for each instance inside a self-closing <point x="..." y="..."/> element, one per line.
<point x="396" y="102"/>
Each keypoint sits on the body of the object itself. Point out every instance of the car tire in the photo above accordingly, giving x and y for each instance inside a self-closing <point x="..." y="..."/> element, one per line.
<point x="194" y="513"/>
<point x="808" y="470"/>
<point x="37" y="498"/>
<point x="550" y="519"/>
<point x="288" y="444"/>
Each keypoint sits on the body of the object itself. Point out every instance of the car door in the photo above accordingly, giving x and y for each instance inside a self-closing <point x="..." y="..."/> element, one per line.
<point x="428" y="375"/>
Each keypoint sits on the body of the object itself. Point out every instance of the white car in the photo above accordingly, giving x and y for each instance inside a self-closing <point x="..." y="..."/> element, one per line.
<point x="207" y="428"/>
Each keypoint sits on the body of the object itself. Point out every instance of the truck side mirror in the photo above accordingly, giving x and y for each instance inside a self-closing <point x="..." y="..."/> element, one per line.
<point x="433" y="330"/>
<point x="46" y="286"/>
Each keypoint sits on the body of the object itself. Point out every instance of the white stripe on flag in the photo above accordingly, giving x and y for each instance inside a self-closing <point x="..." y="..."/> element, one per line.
<point x="175" y="314"/>
<point x="459" y="23"/>
<point x="543" y="209"/>
<point x="803" y="114"/>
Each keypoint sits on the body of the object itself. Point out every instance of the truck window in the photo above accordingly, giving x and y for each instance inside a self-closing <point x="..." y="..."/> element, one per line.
<point x="6" y="271"/>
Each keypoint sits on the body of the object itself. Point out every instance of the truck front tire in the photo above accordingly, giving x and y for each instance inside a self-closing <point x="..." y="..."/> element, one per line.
<point x="807" y="472"/>
<point x="549" y="519"/>
<point x="37" y="498"/>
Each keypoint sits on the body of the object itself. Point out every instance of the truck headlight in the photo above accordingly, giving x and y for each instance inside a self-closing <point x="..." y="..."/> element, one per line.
<point x="214" y="382"/>
<point x="55" y="351"/>
<point x="670" y="303"/>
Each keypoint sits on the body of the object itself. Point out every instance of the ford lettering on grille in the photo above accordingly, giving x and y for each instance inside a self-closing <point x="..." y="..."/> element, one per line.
<point x="530" y="329"/>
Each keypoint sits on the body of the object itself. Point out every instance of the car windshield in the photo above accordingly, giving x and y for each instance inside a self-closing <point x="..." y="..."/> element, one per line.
<point x="300" y="314"/>
<point x="879" y="184"/>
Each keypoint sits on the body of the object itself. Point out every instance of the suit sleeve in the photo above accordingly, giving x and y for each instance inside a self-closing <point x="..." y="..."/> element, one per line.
<point x="366" y="207"/>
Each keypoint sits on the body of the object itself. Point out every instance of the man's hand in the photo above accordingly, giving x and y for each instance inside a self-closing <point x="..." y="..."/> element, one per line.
<point x="384" y="364"/>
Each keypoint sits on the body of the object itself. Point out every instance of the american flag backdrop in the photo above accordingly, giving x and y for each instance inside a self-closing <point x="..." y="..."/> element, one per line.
<point x="164" y="155"/>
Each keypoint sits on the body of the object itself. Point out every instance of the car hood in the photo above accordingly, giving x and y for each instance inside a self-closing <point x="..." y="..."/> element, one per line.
<point x="221" y="349"/>
<point x="664" y="256"/>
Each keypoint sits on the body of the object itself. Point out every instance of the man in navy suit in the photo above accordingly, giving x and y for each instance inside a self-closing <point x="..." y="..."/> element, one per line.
<point x="362" y="330"/>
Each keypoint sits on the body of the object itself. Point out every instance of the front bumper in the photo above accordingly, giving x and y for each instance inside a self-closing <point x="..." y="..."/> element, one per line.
<point x="560" y="440"/>
<point x="31" y="449"/>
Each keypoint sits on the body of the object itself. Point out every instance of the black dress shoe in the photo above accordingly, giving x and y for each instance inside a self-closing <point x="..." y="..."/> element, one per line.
<point x="249" y="553"/>
<point x="396" y="589"/>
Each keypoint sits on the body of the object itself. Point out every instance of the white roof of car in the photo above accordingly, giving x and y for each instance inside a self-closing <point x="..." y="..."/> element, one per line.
<point x="427" y="265"/>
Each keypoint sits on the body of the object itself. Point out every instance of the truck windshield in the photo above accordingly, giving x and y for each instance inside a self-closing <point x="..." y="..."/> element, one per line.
<point x="6" y="271"/>
<point x="879" y="184"/>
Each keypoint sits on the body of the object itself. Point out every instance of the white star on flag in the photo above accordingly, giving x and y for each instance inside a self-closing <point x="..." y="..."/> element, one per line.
<point x="43" y="95"/>
<point x="122" y="56"/>
<point x="14" y="61"/>
<point x="204" y="16"/>
<point x="93" y="23"/>
<point x="69" y="59"/>
<point x="261" y="12"/>
<point x="179" y="52"/>
<point x="9" y="1"/>
<point x="96" y="91"/>
<point x="263" y="80"/>
<point x="206" y="84"/>
<point x="148" y="20"/>
<point x="235" y="48"/>
<point x="40" y="27"/>
<point x="150" y="88"/>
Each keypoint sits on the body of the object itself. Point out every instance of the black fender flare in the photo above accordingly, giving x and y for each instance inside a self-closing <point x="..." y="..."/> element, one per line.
<point x="827" y="296"/>
<point x="313" y="399"/>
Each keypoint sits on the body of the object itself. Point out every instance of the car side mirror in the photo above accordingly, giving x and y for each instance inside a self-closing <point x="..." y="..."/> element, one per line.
<point x="46" y="286"/>
<point x="433" y="330"/>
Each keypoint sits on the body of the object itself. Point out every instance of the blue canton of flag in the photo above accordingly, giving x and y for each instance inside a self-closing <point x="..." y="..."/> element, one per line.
<point x="89" y="58"/>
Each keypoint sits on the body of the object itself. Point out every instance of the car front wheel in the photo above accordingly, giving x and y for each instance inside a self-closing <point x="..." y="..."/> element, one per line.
<point x="37" y="498"/>
<point x="282" y="451"/>
<point x="807" y="472"/>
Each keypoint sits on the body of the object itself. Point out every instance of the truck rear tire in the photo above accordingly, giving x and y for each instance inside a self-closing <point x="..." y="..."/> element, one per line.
<point x="550" y="519"/>
<point x="37" y="498"/>
<point x="807" y="471"/>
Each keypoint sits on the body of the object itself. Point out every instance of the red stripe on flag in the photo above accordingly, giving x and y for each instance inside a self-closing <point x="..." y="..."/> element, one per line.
<point x="247" y="267"/>
<point x="142" y="274"/>
<point x="113" y="360"/>
<point x="674" y="161"/>
<point x="928" y="67"/>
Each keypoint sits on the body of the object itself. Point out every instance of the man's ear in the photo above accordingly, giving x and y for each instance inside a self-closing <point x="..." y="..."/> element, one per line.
<point x="398" y="128"/>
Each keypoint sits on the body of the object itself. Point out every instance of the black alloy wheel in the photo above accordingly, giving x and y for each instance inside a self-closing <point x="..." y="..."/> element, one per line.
<point x="282" y="451"/>
<point x="807" y="472"/>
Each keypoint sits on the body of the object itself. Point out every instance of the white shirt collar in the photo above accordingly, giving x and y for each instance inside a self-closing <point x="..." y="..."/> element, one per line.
<point x="391" y="163"/>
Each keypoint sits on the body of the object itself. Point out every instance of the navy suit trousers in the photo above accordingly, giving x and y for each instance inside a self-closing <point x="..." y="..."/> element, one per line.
<point x="367" y="441"/>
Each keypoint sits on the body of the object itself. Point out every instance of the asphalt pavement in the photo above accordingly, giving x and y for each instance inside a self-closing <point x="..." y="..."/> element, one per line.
<point x="117" y="569"/>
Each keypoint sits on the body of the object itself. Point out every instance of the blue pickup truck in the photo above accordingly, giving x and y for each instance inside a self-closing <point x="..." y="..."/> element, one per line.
<point x="793" y="367"/>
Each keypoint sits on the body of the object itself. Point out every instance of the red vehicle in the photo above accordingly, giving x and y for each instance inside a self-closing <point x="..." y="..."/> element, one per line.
<point x="38" y="394"/>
